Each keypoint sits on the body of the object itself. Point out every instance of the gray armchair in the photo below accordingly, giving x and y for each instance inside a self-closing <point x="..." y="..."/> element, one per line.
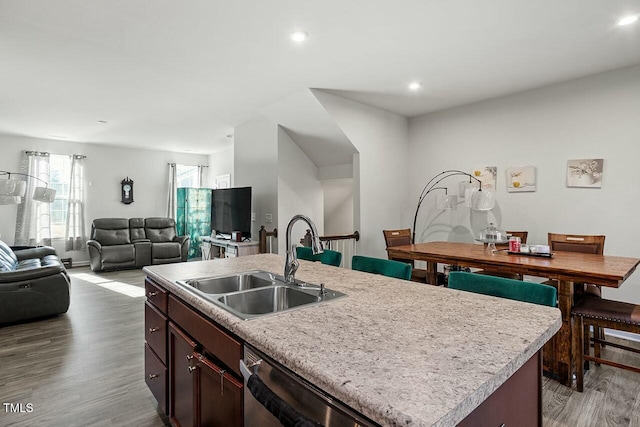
<point x="33" y="283"/>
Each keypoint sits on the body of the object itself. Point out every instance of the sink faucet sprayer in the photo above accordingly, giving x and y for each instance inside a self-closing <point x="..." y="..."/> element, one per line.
<point x="291" y="264"/>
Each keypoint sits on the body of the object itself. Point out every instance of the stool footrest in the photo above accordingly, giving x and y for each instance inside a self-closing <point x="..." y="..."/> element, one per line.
<point x="611" y="363"/>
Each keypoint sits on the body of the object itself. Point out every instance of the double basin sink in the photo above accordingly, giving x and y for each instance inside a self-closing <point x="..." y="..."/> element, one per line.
<point x="257" y="293"/>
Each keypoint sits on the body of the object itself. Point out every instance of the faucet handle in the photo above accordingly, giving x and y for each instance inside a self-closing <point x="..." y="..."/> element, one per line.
<point x="322" y="291"/>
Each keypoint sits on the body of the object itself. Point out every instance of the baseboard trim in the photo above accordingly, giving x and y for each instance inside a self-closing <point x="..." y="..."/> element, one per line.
<point x="85" y="263"/>
<point x="622" y="334"/>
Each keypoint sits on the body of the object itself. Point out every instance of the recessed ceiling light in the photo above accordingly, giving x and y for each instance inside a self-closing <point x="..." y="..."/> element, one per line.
<point x="628" y="20"/>
<point x="299" y="36"/>
<point x="104" y="122"/>
<point x="415" y="85"/>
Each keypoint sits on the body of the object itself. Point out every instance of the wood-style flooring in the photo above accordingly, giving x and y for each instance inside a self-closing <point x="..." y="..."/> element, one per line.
<point x="86" y="368"/>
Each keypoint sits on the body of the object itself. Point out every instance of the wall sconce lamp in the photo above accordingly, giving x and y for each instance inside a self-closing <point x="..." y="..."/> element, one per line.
<point x="475" y="197"/>
<point x="13" y="190"/>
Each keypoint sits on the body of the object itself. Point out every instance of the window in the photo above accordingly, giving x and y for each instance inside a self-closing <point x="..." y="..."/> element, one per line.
<point x="187" y="176"/>
<point x="60" y="177"/>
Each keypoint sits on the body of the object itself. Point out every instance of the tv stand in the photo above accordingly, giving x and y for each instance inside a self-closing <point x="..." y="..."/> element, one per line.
<point x="223" y="248"/>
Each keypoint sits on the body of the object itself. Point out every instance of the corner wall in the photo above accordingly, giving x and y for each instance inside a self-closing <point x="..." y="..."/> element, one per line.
<point x="380" y="173"/>
<point x="255" y="164"/>
<point x="299" y="190"/>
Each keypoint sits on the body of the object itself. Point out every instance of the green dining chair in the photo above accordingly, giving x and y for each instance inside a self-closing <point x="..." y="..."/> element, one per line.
<point x="536" y="293"/>
<point x="327" y="257"/>
<point x="385" y="267"/>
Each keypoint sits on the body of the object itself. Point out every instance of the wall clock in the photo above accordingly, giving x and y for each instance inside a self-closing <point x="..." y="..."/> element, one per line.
<point x="127" y="191"/>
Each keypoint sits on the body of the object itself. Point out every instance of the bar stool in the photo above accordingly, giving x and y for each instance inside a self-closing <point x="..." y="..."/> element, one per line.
<point x="601" y="313"/>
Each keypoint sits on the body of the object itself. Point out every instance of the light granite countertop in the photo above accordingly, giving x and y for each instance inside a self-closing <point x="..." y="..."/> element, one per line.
<point x="401" y="353"/>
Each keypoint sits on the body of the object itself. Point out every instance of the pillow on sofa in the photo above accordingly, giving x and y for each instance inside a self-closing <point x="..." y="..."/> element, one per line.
<point x="112" y="237"/>
<point x="8" y="259"/>
<point x="160" y="230"/>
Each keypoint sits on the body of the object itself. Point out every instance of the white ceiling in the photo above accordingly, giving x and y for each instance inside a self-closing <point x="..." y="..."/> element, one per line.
<point x="179" y="75"/>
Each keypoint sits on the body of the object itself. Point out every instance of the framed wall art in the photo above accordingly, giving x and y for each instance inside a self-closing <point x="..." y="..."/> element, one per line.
<point x="486" y="175"/>
<point x="585" y="173"/>
<point x="520" y="179"/>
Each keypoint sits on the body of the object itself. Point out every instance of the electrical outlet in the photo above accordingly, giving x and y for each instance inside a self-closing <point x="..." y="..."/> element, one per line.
<point x="253" y="216"/>
<point x="268" y="218"/>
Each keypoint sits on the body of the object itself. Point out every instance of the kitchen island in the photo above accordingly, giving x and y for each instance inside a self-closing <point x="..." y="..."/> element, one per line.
<point x="400" y="353"/>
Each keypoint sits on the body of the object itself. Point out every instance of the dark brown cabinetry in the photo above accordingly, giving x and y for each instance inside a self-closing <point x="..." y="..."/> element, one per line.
<point x="195" y="360"/>
<point x="517" y="402"/>
<point x="155" y="336"/>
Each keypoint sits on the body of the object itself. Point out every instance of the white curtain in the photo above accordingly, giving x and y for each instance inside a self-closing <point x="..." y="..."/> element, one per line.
<point x="171" y="205"/>
<point x="75" y="238"/>
<point x="33" y="222"/>
<point x="201" y="176"/>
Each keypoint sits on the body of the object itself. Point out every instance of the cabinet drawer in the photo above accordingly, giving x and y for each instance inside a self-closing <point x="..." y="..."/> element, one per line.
<point x="217" y="342"/>
<point x="155" y="331"/>
<point x="156" y="295"/>
<point x="155" y="375"/>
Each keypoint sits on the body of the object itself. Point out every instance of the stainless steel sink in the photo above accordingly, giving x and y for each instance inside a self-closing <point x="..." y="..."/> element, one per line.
<point x="257" y="293"/>
<point x="231" y="283"/>
<point x="267" y="300"/>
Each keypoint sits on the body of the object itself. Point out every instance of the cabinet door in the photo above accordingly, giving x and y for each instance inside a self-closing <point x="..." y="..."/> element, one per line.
<point x="181" y="378"/>
<point x="218" y="396"/>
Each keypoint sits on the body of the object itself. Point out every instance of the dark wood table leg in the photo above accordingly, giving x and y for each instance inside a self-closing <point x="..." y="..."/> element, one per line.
<point x="563" y="339"/>
<point x="432" y="272"/>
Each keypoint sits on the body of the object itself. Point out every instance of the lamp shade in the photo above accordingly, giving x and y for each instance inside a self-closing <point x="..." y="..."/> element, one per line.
<point x="10" y="200"/>
<point x="447" y="202"/>
<point x="483" y="200"/>
<point x="12" y="187"/>
<point x="44" y="194"/>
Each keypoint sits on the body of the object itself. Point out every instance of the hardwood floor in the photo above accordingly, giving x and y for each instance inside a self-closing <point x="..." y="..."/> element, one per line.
<point x="86" y="368"/>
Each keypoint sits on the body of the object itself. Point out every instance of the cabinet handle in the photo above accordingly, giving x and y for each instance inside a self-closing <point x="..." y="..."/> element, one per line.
<point x="152" y="294"/>
<point x="152" y="330"/>
<point x="153" y="376"/>
<point x="222" y="382"/>
<point x="189" y="357"/>
<point x="191" y="369"/>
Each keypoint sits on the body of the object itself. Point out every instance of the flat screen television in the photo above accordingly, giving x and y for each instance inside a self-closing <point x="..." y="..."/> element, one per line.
<point x="231" y="211"/>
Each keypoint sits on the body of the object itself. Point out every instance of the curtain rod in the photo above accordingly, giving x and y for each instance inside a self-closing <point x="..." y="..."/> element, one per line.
<point x="37" y="153"/>
<point x="202" y="166"/>
<point x="45" y="154"/>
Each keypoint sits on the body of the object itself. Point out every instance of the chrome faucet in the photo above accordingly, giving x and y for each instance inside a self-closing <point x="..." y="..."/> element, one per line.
<point x="291" y="264"/>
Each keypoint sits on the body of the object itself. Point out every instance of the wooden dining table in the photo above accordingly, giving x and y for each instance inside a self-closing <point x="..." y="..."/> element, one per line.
<point x="568" y="268"/>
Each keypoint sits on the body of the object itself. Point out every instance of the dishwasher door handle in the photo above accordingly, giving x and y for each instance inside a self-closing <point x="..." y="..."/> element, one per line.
<point x="246" y="370"/>
<point x="246" y="373"/>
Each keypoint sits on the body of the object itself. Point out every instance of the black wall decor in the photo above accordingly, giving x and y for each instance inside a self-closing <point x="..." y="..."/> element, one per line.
<point x="127" y="191"/>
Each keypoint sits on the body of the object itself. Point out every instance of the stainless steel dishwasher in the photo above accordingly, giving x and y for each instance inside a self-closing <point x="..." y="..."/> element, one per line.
<point x="274" y="396"/>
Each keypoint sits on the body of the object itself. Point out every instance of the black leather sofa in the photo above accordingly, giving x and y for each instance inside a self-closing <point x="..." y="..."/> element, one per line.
<point x="118" y="243"/>
<point x="33" y="283"/>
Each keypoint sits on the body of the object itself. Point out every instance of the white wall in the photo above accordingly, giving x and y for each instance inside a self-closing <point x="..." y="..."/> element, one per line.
<point x="338" y="206"/>
<point x="380" y="173"/>
<point x="299" y="190"/>
<point x="256" y="165"/>
<point x="106" y="166"/>
<point x="593" y="117"/>
<point x="221" y="163"/>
